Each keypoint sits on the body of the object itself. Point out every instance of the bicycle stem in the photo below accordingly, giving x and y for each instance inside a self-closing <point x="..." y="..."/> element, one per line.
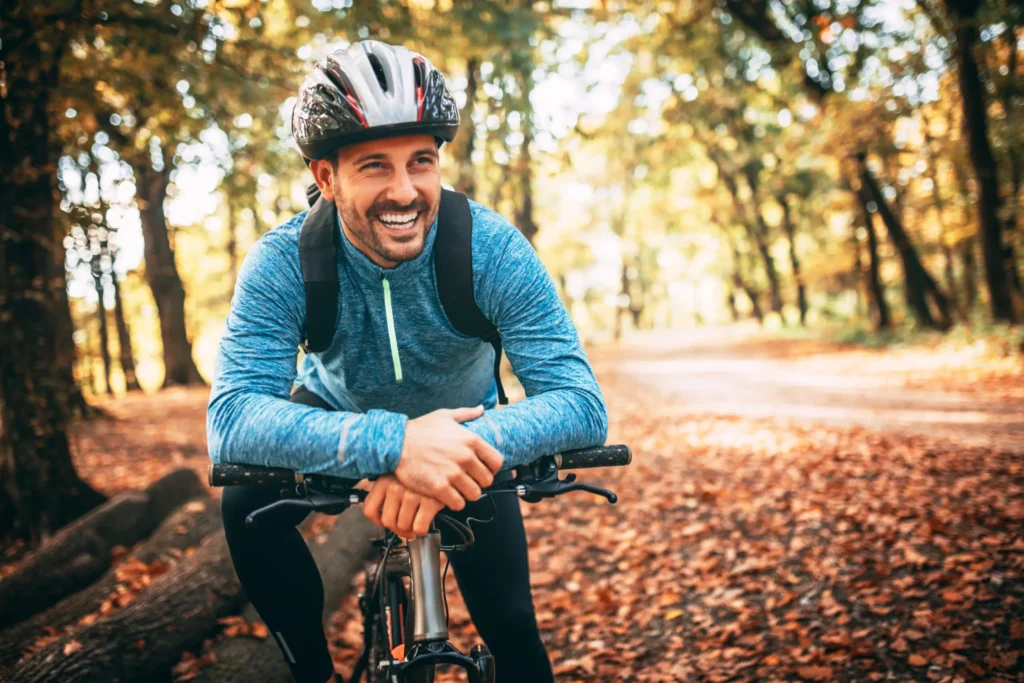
<point x="427" y="608"/>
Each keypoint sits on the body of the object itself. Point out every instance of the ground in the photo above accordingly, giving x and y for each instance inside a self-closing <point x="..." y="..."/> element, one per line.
<point x="794" y="510"/>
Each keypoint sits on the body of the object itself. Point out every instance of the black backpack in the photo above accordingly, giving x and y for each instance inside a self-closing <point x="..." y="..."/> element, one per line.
<point x="319" y="241"/>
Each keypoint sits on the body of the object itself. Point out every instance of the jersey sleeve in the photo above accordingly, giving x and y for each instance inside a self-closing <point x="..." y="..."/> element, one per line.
<point x="564" y="407"/>
<point x="249" y="418"/>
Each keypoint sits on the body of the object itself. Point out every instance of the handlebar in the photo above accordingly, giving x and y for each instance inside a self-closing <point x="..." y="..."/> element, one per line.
<point x="332" y="495"/>
<point x="236" y="474"/>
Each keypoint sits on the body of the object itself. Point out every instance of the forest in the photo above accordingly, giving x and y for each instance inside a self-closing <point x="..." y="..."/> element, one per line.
<point x="817" y="174"/>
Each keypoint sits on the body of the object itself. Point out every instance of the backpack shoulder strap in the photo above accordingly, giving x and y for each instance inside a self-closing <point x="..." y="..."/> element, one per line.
<point x="453" y="269"/>
<point x="318" y="257"/>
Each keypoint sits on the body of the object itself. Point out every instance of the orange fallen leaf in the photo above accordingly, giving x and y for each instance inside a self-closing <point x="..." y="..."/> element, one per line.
<point x="815" y="673"/>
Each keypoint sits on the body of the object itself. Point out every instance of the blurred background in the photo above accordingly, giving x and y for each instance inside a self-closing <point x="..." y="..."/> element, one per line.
<point x="790" y="233"/>
<point x="853" y="164"/>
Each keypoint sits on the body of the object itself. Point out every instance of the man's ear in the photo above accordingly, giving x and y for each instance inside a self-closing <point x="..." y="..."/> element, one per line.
<point x="323" y="176"/>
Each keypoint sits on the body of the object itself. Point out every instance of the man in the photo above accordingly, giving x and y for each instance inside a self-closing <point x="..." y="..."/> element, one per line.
<point x="398" y="394"/>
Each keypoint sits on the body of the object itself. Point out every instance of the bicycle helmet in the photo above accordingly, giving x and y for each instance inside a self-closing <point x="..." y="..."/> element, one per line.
<point x="367" y="91"/>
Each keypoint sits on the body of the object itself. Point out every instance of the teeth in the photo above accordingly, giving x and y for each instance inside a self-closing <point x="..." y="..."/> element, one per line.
<point x="398" y="218"/>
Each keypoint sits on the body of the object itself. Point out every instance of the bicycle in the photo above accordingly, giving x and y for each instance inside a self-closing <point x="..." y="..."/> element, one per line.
<point x="404" y="600"/>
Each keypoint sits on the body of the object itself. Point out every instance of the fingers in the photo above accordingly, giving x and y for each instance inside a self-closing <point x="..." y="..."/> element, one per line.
<point x="489" y="455"/>
<point x="465" y="485"/>
<point x="425" y="514"/>
<point x="449" y="495"/>
<point x="392" y="505"/>
<point x="411" y="503"/>
<point x="466" y="414"/>
<point x="476" y="469"/>
<point x="374" y="502"/>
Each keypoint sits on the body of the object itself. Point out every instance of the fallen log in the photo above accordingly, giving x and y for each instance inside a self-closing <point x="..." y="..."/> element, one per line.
<point x="340" y="555"/>
<point x="184" y="529"/>
<point x="81" y="552"/>
<point x="145" y="639"/>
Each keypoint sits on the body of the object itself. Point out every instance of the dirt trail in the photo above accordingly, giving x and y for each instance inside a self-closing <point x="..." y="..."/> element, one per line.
<point x="963" y="395"/>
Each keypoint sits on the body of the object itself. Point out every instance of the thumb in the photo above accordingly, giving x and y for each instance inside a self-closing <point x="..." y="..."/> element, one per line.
<point x="467" y="414"/>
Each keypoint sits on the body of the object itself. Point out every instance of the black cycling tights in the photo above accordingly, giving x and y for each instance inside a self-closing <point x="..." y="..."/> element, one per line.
<point x="283" y="583"/>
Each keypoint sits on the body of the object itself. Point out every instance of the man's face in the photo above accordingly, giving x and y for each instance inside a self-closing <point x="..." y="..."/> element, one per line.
<point x="387" y="192"/>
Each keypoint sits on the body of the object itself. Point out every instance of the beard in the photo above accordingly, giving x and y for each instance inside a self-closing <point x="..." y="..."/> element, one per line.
<point x="389" y="244"/>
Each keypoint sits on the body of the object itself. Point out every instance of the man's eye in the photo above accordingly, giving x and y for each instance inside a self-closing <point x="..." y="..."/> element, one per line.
<point x="426" y="160"/>
<point x="371" y="165"/>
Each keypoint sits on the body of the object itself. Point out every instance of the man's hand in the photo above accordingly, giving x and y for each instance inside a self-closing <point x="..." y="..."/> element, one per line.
<point x="443" y="460"/>
<point x="391" y="505"/>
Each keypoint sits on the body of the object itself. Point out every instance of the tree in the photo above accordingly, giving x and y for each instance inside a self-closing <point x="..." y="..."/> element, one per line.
<point x="40" y="490"/>
<point x="964" y="15"/>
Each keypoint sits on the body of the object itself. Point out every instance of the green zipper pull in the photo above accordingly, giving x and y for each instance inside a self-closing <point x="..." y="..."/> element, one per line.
<point x="391" y="329"/>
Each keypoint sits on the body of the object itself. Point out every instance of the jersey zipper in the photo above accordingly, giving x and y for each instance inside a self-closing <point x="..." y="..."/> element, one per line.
<point x="395" y="360"/>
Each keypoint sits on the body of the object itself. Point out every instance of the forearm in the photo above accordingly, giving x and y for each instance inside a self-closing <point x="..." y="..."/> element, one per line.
<point x="544" y="424"/>
<point x="266" y="430"/>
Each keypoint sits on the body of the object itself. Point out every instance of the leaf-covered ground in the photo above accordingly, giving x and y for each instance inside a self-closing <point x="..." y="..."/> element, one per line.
<point x="743" y="548"/>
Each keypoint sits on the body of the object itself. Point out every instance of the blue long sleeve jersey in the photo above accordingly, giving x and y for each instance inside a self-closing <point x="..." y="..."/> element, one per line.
<point x="377" y="380"/>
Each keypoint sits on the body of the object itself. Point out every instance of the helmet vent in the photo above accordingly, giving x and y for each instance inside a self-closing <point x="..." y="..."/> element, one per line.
<point x="378" y="71"/>
<point x="335" y="78"/>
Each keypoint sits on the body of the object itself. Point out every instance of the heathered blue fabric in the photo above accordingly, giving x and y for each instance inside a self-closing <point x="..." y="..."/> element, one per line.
<point x="250" y="419"/>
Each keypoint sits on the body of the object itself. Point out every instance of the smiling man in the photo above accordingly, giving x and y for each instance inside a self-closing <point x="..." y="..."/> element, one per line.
<point x="391" y="387"/>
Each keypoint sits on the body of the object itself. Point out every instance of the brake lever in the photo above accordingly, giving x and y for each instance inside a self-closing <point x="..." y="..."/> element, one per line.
<point x="549" y="487"/>
<point x="254" y="517"/>
<point x="313" y="501"/>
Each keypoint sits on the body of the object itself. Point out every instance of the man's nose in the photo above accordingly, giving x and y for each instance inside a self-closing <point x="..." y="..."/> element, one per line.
<point x="401" y="190"/>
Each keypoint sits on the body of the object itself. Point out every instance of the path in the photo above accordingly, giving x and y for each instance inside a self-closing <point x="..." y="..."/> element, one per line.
<point x="723" y="371"/>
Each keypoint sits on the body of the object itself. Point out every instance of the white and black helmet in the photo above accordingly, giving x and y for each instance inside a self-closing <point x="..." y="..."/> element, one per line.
<point x="371" y="90"/>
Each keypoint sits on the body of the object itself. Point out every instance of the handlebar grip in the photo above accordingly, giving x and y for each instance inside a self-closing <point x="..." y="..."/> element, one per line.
<point x="234" y="474"/>
<point x="599" y="456"/>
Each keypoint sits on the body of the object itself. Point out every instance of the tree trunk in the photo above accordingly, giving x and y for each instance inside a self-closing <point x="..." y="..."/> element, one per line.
<point x="40" y="491"/>
<point x="340" y="555"/>
<point x="801" y="291"/>
<point x="162" y="275"/>
<point x="82" y="552"/>
<point x="124" y="340"/>
<point x="972" y="95"/>
<point x="859" y="278"/>
<point x="757" y="231"/>
<point x="101" y="314"/>
<point x="1009" y="95"/>
<point x="763" y="234"/>
<point x="731" y="300"/>
<point x="940" y="217"/>
<point x="950" y="278"/>
<point x="621" y="307"/>
<point x="467" y="172"/>
<point x="970" y="274"/>
<point x="66" y="351"/>
<point x="524" y="217"/>
<point x="184" y="529"/>
<point x="739" y="282"/>
<point x="145" y="639"/>
<point x="920" y="287"/>
<point x="883" y="320"/>
<point x="232" y="246"/>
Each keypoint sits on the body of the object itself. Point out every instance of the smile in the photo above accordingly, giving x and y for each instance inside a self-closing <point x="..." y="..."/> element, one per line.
<point x="399" y="221"/>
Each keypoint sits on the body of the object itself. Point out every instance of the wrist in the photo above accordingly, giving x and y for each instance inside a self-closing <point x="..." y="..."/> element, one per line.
<point x="387" y="439"/>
